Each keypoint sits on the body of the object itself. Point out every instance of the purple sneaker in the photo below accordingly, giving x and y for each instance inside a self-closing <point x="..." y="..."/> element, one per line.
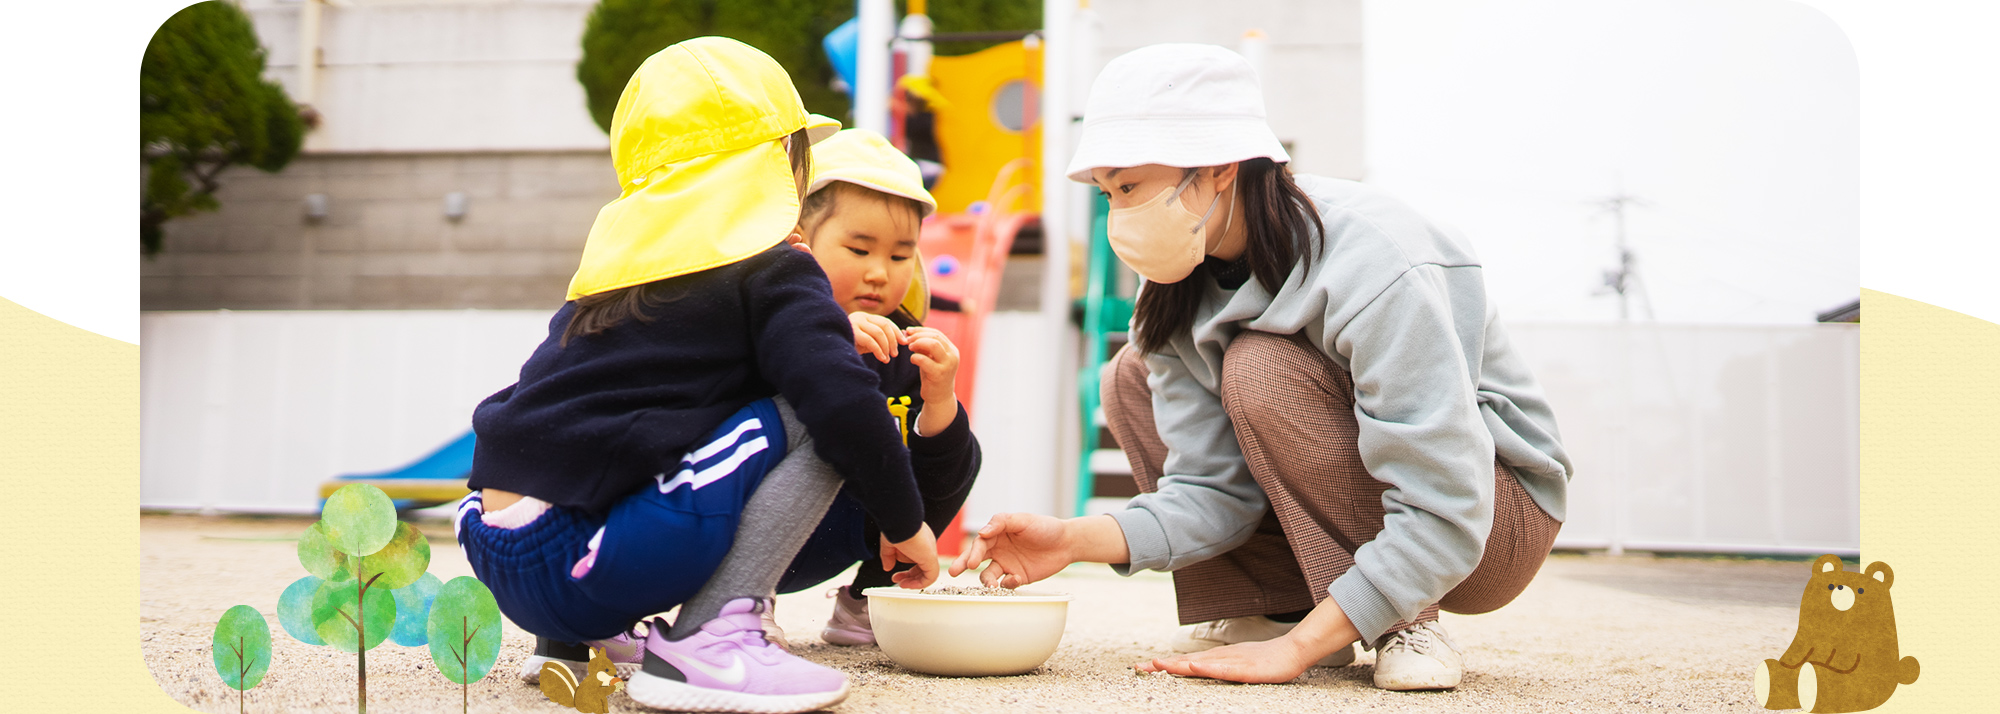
<point x="728" y="666"/>
<point x="625" y="650"/>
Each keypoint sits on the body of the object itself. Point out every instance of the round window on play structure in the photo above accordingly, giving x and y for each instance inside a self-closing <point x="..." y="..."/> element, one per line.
<point x="1015" y="105"/>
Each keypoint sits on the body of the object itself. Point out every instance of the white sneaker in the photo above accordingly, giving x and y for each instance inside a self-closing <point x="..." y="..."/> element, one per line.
<point x="1252" y="628"/>
<point x="1421" y="657"/>
<point x="849" y="626"/>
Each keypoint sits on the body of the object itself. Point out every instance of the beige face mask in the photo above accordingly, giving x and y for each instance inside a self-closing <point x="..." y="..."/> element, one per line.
<point x="1163" y="243"/>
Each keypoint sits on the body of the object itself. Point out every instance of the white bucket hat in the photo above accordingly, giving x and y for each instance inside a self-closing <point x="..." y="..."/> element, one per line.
<point x="1181" y="105"/>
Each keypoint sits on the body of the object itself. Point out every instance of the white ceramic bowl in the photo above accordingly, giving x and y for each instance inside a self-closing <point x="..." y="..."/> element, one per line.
<point x="967" y="635"/>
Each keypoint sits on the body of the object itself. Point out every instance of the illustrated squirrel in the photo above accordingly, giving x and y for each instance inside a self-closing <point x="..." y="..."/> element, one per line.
<point x="590" y="695"/>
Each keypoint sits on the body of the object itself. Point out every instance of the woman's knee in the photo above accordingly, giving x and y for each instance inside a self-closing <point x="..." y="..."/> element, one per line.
<point x="1264" y="373"/>
<point x="1122" y="381"/>
<point x="1126" y="369"/>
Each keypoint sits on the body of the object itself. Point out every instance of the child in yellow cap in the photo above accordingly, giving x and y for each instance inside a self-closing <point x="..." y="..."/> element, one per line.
<point x="699" y="390"/>
<point x="860" y="221"/>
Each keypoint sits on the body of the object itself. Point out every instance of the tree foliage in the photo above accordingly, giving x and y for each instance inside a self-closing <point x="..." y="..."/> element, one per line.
<point x="621" y="34"/>
<point x="204" y="106"/>
<point x="295" y="612"/>
<point x="413" y="611"/>
<point x="241" y="649"/>
<point x="357" y="547"/>
<point x="978" y="16"/>
<point x="464" y="632"/>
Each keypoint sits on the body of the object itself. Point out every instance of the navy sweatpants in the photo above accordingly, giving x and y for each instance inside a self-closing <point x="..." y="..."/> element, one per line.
<point x="656" y="547"/>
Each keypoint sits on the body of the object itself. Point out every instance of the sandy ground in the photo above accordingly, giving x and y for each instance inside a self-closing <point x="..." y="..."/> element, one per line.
<point x="1593" y="633"/>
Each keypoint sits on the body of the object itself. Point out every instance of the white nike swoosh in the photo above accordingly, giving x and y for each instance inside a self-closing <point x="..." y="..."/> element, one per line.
<point x="731" y="675"/>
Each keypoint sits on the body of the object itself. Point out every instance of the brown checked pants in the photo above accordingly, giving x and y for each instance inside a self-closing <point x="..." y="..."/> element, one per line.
<point x="1293" y="410"/>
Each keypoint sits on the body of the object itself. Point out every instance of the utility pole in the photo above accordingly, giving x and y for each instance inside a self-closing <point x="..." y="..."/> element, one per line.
<point x="1623" y="278"/>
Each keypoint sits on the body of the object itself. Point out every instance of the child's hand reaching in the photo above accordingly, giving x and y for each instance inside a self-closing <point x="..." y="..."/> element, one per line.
<point x="920" y="550"/>
<point x="876" y="335"/>
<point x="937" y="359"/>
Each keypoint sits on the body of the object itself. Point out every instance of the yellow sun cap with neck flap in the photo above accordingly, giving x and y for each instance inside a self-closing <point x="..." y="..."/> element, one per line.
<point x="697" y="142"/>
<point x="867" y="159"/>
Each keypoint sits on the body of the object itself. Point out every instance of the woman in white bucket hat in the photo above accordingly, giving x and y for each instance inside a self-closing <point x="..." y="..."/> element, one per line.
<point x="1335" y="437"/>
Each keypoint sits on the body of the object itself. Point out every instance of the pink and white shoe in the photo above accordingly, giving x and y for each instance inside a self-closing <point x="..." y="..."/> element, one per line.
<point x="849" y="626"/>
<point x="768" y="619"/>
<point x="728" y="666"/>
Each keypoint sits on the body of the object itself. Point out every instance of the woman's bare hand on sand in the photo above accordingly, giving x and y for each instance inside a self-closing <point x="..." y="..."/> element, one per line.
<point x="1267" y="662"/>
<point x="1323" y="631"/>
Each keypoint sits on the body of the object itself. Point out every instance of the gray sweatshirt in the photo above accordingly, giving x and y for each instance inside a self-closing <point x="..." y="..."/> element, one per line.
<point x="1438" y="393"/>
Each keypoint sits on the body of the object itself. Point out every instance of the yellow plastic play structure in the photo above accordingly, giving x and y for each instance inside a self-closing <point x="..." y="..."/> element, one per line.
<point x="993" y="117"/>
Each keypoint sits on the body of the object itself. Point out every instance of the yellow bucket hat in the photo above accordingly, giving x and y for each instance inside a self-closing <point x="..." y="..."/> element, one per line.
<point x="867" y="159"/>
<point x="706" y="180"/>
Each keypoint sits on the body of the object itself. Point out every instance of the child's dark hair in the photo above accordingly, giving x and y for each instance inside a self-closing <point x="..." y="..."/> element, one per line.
<point x="605" y="310"/>
<point x="816" y="207"/>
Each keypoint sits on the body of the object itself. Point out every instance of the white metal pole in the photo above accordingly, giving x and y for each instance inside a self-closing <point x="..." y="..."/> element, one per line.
<point x="1255" y="47"/>
<point x="1085" y="32"/>
<point x="877" y="22"/>
<point x="916" y="53"/>
<point x="1056" y="189"/>
<point x="308" y="85"/>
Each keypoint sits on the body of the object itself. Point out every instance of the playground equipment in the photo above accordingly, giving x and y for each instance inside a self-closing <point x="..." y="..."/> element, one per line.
<point x="1107" y="311"/>
<point x="986" y="124"/>
<point x="436" y="478"/>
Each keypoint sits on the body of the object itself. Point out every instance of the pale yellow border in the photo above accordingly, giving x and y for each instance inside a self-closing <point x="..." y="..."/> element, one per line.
<point x="1930" y="491"/>
<point x="69" y="450"/>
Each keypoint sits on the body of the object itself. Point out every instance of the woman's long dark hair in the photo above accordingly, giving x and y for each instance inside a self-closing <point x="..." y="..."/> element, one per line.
<point x="603" y="311"/>
<point x="1284" y="231"/>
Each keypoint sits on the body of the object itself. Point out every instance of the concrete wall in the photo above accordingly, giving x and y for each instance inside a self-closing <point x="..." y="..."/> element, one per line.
<point x="1311" y="74"/>
<point x="385" y="241"/>
<point x="438" y="76"/>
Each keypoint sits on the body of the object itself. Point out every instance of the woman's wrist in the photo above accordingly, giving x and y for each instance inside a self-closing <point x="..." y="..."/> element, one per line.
<point x="1323" y="631"/>
<point x="1095" y="539"/>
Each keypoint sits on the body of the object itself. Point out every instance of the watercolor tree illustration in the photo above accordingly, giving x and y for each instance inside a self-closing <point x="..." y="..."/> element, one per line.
<point x="464" y="633"/>
<point x="359" y="555"/>
<point x="242" y="649"/>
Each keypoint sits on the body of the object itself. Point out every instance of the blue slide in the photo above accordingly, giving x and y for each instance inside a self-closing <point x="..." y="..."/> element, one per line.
<point x="437" y="478"/>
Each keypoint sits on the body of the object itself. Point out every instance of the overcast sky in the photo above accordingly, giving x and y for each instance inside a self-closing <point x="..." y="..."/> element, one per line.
<point x="1734" y="122"/>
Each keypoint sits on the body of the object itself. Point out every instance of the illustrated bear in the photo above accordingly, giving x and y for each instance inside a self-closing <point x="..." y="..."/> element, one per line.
<point x="1844" y="658"/>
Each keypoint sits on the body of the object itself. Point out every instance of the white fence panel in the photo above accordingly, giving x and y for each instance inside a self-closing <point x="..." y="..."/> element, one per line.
<point x="250" y="411"/>
<point x="1706" y="438"/>
<point x="1686" y="438"/>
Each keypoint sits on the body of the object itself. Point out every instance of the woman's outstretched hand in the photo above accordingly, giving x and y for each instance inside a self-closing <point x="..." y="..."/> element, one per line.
<point x="1323" y="631"/>
<point x="1024" y="548"/>
<point x="1267" y="662"/>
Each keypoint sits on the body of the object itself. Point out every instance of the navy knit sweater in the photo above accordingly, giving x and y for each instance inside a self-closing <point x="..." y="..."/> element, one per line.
<point x="945" y="463"/>
<point x="593" y="422"/>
